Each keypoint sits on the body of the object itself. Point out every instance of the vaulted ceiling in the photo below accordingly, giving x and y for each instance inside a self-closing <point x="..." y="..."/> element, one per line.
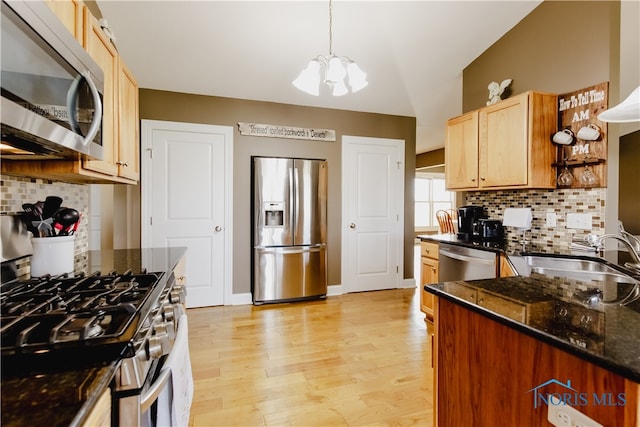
<point x="413" y="51"/>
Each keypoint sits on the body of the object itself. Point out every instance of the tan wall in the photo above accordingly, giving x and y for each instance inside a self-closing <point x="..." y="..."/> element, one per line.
<point x="430" y="159"/>
<point x="560" y="47"/>
<point x="629" y="201"/>
<point x="170" y="106"/>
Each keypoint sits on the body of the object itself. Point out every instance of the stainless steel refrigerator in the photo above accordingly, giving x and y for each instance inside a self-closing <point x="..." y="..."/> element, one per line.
<point x="290" y="229"/>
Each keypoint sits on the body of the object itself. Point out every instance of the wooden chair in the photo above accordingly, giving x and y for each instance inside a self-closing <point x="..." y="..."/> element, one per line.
<point x="445" y="222"/>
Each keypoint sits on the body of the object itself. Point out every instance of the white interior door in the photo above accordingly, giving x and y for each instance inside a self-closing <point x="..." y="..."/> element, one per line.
<point x="373" y="212"/>
<point x="187" y="193"/>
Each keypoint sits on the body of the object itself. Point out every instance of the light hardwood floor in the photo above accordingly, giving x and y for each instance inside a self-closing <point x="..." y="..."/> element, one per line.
<point x="358" y="359"/>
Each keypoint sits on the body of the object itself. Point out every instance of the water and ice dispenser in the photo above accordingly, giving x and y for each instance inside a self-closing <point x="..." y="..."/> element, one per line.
<point x="273" y="214"/>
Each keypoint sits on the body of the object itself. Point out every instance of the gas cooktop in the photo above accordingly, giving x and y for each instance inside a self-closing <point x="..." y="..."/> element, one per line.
<point x="75" y="315"/>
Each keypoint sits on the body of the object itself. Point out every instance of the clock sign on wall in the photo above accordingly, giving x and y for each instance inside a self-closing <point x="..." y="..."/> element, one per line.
<point x="584" y="151"/>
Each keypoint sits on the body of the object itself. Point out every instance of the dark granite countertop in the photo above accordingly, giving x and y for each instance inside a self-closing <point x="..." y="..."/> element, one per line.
<point x="560" y="312"/>
<point x="64" y="395"/>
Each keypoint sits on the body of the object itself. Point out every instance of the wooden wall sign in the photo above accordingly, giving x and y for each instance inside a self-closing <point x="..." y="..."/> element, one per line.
<point x="276" y="131"/>
<point x="585" y="158"/>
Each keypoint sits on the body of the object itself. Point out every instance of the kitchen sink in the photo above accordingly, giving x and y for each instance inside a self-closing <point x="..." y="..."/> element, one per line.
<point x="576" y="268"/>
<point x="597" y="272"/>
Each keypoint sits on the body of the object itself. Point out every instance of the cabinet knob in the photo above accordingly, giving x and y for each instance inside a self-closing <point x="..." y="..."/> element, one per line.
<point x="473" y="180"/>
<point x="482" y="178"/>
<point x="218" y="228"/>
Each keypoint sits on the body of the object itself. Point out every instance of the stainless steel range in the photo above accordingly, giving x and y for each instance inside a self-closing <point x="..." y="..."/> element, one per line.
<point x="128" y="317"/>
<point x="135" y="320"/>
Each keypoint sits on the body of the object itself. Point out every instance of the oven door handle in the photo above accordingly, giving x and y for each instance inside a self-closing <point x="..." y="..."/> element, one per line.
<point x="153" y="392"/>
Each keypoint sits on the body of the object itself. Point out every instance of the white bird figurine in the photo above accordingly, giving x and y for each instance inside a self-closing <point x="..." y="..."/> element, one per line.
<point x="496" y="90"/>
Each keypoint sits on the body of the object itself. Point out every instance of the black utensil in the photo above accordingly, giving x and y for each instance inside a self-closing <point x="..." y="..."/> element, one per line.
<point x="32" y="211"/>
<point x="66" y="217"/>
<point x="51" y="206"/>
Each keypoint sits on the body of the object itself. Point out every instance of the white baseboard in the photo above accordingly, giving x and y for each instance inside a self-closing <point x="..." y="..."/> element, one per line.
<point x="333" y="290"/>
<point x="241" y="299"/>
<point x="408" y="283"/>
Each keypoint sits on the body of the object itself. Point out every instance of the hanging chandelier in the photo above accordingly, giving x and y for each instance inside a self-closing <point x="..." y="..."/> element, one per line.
<point x="331" y="70"/>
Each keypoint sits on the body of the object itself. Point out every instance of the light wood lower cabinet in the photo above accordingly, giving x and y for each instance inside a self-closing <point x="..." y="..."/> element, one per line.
<point x="100" y="415"/>
<point x="428" y="274"/>
<point x="506" y="269"/>
<point x="490" y="369"/>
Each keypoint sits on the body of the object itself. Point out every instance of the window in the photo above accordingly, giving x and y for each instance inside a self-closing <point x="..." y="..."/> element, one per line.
<point x="430" y="197"/>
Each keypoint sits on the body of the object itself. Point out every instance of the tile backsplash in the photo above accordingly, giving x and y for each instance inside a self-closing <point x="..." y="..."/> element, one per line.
<point x="561" y="201"/>
<point x="16" y="191"/>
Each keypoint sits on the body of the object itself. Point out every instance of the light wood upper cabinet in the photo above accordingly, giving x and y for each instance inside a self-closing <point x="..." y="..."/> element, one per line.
<point x="461" y="152"/>
<point x="129" y="126"/>
<point x="70" y="13"/>
<point x="104" y="53"/>
<point x="120" y="121"/>
<point x="513" y="146"/>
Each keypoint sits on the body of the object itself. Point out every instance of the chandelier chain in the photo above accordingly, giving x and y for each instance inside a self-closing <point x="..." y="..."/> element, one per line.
<point x="330" y="28"/>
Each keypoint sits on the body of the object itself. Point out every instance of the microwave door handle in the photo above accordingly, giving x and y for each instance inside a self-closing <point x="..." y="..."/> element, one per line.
<point x="72" y="96"/>
<point x="97" y="115"/>
<point x="72" y="105"/>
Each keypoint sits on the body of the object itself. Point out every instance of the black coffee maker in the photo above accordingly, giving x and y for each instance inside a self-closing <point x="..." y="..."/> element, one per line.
<point x="467" y="217"/>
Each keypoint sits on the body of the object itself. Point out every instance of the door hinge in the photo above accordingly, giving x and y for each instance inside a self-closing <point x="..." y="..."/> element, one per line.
<point x="150" y="150"/>
<point x="150" y="220"/>
<point x="397" y="269"/>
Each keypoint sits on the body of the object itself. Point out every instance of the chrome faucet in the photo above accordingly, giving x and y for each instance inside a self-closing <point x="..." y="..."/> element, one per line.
<point x="597" y="242"/>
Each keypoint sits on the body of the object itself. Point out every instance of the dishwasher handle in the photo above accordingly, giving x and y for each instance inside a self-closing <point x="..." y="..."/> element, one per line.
<point x="444" y="252"/>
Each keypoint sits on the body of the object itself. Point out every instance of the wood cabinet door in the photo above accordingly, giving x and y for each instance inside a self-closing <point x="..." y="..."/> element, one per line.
<point x="102" y="51"/>
<point x="505" y="267"/>
<point x="504" y="143"/>
<point x="461" y="152"/>
<point x="429" y="274"/>
<point x="129" y="128"/>
<point x="70" y="13"/>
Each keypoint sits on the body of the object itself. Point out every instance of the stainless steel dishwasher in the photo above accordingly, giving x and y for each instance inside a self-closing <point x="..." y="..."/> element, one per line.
<point x="462" y="263"/>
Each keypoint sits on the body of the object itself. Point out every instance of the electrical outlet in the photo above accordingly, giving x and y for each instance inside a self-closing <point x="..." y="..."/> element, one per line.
<point x="561" y="415"/>
<point x="551" y="220"/>
<point x="579" y="221"/>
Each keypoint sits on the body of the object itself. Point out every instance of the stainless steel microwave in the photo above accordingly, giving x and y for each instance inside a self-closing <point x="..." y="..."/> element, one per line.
<point x="52" y="90"/>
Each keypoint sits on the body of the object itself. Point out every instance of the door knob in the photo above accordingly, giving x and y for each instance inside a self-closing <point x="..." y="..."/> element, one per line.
<point x="218" y="229"/>
<point x="352" y="226"/>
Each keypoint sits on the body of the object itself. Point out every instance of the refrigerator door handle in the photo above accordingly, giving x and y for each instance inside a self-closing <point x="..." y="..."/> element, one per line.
<point x="291" y="249"/>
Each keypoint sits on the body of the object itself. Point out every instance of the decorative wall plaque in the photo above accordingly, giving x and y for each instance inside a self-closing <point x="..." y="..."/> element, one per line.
<point x="277" y="131"/>
<point x="585" y="158"/>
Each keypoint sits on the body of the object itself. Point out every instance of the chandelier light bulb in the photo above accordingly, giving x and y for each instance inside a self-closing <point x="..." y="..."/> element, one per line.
<point x="357" y="77"/>
<point x="309" y="79"/>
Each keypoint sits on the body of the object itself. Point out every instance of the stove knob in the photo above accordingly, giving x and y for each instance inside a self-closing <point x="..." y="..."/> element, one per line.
<point x="158" y="346"/>
<point x="178" y="295"/>
<point x="168" y="310"/>
<point x="166" y="328"/>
